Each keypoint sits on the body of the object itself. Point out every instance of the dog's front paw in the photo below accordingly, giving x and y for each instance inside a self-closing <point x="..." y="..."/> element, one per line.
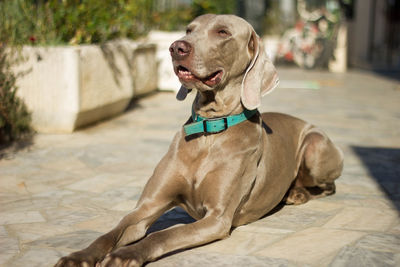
<point x="122" y="257"/>
<point x="75" y="260"/>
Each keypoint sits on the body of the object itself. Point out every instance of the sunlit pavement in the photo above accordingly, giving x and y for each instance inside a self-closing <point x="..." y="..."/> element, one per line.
<point x="62" y="192"/>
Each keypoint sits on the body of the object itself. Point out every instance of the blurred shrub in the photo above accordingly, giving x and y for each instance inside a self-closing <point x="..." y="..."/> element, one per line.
<point x="48" y="22"/>
<point x="200" y="7"/>
<point x="14" y="116"/>
<point x="272" y="20"/>
<point x="72" y="21"/>
<point x="176" y="17"/>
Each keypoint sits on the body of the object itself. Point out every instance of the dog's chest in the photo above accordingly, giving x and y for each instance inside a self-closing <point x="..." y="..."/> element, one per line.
<point x="210" y="166"/>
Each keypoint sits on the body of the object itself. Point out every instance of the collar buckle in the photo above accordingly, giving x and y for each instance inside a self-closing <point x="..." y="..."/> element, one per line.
<point x="205" y="125"/>
<point x="225" y="121"/>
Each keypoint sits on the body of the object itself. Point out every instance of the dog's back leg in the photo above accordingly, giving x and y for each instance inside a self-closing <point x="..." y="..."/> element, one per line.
<point x="321" y="163"/>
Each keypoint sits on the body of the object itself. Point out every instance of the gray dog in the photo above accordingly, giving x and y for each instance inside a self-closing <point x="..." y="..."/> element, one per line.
<point x="229" y="165"/>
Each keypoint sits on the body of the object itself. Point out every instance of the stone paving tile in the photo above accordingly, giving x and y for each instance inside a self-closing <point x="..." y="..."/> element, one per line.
<point x="26" y="233"/>
<point x="102" y="223"/>
<point x="395" y="229"/>
<point x="20" y="217"/>
<point x="69" y="241"/>
<point x="356" y="256"/>
<point x="242" y="243"/>
<point x="61" y="193"/>
<point x="380" y="242"/>
<point x="36" y="257"/>
<point x="13" y="184"/>
<point x="9" y="246"/>
<point x="310" y="246"/>
<point x="69" y="216"/>
<point x="99" y="183"/>
<point x="296" y="218"/>
<point x="363" y="219"/>
<point x="221" y="260"/>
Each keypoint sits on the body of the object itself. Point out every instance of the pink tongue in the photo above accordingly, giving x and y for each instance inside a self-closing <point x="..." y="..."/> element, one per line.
<point x="212" y="81"/>
<point x="217" y="79"/>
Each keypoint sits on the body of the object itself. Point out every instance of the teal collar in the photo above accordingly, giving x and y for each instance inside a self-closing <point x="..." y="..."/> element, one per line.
<point x="204" y="125"/>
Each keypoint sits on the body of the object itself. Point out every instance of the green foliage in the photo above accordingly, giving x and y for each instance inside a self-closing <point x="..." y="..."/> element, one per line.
<point x="49" y="22"/>
<point x="272" y="21"/>
<point x="200" y="7"/>
<point x="14" y="116"/>
<point x="72" y="21"/>
<point x="172" y="19"/>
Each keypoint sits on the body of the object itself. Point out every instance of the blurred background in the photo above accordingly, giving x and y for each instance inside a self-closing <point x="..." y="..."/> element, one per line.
<point x="370" y="29"/>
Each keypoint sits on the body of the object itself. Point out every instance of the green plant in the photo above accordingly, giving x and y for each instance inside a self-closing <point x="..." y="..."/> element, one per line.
<point x="171" y="19"/>
<point x="14" y="116"/>
<point x="93" y="21"/>
<point x="72" y="21"/>
<point x="200" y="7"/>
<point x="178" y="17"/>
<point x="272" y="20"/>
<point x="49" y="22"/>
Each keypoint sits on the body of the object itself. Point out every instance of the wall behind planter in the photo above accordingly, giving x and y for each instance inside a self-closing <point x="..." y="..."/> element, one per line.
<point x="72" y="86"/>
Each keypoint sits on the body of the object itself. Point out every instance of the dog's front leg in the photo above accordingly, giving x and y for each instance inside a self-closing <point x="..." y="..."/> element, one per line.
<point x="156" y="198"/>
<point x="130" y="229"/>
<point x="159" y="243"/>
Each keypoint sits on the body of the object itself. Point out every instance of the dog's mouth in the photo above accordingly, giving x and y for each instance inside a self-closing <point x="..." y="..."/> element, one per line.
<point x="186" y="75"/>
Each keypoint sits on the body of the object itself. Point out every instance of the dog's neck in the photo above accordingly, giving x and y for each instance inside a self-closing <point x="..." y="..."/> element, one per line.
<point x="219" y="102"/>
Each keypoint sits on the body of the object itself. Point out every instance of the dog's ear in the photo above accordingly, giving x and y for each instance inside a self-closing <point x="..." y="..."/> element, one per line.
<point x="260" y="77"/>
<point x="182" y="93"/>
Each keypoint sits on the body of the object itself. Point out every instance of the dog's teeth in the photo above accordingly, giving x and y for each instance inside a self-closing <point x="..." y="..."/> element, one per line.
<point x="185" y="72"/>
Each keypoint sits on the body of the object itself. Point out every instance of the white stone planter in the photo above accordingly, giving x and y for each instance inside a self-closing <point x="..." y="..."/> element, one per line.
<point x="69" y="87"/>
<point x="167" y="79"/>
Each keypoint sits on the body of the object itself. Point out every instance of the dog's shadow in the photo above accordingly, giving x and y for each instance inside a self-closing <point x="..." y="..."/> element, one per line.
<point x="178" y="215"/>
<point x="172" y="217"/>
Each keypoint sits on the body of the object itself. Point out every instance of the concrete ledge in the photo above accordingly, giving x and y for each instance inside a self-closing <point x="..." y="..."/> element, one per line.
<point x="70" y="87"/>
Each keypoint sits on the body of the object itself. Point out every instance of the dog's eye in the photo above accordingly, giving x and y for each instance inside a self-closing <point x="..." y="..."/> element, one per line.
<point x="188" y="31"/>
<point x="223" y="33"/>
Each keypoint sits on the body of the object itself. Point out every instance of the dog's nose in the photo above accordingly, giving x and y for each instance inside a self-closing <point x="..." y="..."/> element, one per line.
<point x="180" y="49"/>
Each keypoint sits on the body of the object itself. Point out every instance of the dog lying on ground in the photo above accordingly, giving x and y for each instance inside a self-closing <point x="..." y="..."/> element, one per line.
<point x="229" y="165"/>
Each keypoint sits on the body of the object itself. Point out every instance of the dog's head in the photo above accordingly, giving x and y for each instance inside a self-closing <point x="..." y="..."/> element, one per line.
<point x="222" y="49"/>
